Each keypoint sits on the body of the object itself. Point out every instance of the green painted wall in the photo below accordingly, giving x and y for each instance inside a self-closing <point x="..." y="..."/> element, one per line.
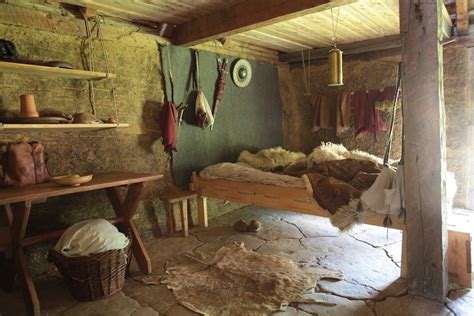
<point x="248" y="118"/>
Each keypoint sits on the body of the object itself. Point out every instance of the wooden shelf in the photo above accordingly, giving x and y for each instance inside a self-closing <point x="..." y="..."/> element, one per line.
<point x="58" y="127"/>
<point x="26" y="69"/>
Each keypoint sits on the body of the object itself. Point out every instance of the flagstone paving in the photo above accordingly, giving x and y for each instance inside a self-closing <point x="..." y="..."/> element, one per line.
<point x="368" y="256"/>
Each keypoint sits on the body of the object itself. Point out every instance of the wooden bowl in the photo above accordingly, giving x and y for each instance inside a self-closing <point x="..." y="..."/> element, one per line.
<point x="72" y="180"/>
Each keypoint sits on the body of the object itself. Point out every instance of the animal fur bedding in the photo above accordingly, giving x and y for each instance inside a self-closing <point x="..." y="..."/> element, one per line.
<point x="335" y="176"/>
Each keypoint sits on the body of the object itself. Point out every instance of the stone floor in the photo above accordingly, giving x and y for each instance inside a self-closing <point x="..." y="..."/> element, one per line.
<point x="369" y="257"/>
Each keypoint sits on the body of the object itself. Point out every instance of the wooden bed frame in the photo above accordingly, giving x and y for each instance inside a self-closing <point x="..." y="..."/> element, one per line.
<point x="293" y="199"/>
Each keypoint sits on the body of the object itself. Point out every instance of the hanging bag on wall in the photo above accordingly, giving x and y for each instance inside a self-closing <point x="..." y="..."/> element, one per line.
<point x="203" y="110"/>
<point x="24" y="164"/>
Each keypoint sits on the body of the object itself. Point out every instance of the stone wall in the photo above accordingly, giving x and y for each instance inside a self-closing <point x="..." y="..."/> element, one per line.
<point x="134" y="56"/>
<point x="458" y="108"/>
<point x="375" y="73"/>
<point x="298" y="109"/>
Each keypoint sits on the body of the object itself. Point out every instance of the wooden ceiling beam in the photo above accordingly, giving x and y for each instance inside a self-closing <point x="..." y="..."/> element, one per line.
<point x="462" y="16"/>
<point x="392" y="42"/>
<point x="245" y="16"/>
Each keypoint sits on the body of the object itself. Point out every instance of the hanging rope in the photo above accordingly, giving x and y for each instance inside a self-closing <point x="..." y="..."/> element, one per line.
<point x="388" y="149"/>
<point x="107" y="67"/>
<point x="306" y="73"/>
<point x="88" y="61"/>
<point x="334" y="25"/>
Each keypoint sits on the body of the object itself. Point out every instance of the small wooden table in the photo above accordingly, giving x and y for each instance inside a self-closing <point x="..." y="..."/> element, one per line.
<point x="18" y="204"/>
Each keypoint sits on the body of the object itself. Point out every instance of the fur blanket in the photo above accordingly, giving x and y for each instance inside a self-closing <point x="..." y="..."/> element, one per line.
<point x="337" y="184"/>
<point x="336" y="176"/>
<point x="271" y="159"/>
<point x="330" y="151"/>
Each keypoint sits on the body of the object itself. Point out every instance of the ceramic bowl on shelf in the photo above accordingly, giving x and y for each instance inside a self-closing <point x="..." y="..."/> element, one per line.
<point x="72" y="180"/>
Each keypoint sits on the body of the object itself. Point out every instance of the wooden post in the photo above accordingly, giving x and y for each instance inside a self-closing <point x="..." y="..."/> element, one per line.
<point x="425" y="163"/>
<point x="184" y="217"/>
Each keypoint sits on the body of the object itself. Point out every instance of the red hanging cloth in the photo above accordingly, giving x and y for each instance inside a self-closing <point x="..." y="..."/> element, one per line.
<point x="367" y="117"/>
<point x="168" y="126"/>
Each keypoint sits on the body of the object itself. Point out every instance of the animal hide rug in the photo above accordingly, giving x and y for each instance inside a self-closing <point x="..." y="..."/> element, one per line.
<point x="238" y="281"/>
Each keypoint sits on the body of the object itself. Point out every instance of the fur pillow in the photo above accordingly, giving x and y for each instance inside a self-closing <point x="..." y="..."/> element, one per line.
<point x="329" y="151"/>
<point x="269" y="159"/>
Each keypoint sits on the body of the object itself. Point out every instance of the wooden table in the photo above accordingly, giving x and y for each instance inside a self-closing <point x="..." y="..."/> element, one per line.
<point x="18" y="206"/>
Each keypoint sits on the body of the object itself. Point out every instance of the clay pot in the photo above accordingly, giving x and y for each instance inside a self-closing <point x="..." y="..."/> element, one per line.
<point x="28" y="106"/>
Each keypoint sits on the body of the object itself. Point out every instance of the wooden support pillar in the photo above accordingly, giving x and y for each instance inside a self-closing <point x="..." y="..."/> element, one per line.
<point x="425" y="163"/>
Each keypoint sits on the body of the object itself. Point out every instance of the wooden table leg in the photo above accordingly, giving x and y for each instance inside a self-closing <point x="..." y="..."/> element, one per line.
<point x="21" y="216"/>
<point x="169" y="218"/>
<point x="9" y="214"/>
<point x="183" y="205"/>
<point x="202" y="211"/>
<point x="127" y="209"/>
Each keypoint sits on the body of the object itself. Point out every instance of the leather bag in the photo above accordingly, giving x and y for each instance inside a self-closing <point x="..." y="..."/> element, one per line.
<point x="24" y="164"/>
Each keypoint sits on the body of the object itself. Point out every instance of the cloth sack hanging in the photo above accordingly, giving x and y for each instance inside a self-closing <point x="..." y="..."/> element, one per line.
<point x="203" y="110"/>
<point x="386" y="194"/>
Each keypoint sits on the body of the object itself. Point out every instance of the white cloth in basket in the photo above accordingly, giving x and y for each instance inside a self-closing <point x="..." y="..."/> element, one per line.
<point x="90" y="237"/>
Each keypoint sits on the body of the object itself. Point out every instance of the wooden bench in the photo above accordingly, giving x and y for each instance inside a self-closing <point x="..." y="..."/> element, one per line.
<point x="182" y="198"/>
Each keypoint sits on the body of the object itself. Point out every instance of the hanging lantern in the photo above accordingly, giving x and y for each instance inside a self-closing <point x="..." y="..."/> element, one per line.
<point x="335" y="56"/>
<point x="335" y="67"/>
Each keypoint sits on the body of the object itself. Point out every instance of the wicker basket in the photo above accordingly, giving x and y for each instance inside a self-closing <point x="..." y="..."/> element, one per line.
<point x="93" y="277"/>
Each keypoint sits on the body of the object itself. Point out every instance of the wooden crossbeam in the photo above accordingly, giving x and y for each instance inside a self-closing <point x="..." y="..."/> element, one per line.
<point x="245" y="16"/>
<point x="372" y="45"/>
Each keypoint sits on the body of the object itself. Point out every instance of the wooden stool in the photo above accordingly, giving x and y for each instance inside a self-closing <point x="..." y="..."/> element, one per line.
<point x="182" y="198"/>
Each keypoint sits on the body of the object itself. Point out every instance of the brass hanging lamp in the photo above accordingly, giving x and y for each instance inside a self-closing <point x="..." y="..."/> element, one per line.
<point x="335" y="57"/>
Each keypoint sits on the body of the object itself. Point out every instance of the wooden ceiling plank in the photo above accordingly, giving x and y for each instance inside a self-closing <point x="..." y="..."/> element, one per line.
<point x="375" y="18"/>
<point x="284" y="42"/>
<point x="132" y="13"/>
<point x="252" y="40"/>
<point x="287" y="36"/>
<point x="317" y="37"/>
<point x="245" y="16"/>
<point x="462" y="16"/>
<point x="321" y="31"/>
<point x="345" y="33"/>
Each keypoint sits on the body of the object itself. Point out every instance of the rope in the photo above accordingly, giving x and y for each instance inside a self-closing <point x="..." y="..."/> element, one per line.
<point x="307" y="74"/>
<point x="198" y="86"/>
<point x="89" y="64"/>
<point x="170" y="72"/>
<point x="388" y="149"/>
<point x="107" y="68"/>
<point x="334" y="26"/>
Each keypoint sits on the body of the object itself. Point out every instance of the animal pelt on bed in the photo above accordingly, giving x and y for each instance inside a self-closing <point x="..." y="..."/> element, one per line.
<point x="271" y="159"/>
<point x="330" y="151"/>
<point x="338" y="185"/>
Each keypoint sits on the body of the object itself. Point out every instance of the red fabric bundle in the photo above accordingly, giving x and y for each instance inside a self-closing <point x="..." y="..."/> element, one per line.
<point x="168" y="126"/>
